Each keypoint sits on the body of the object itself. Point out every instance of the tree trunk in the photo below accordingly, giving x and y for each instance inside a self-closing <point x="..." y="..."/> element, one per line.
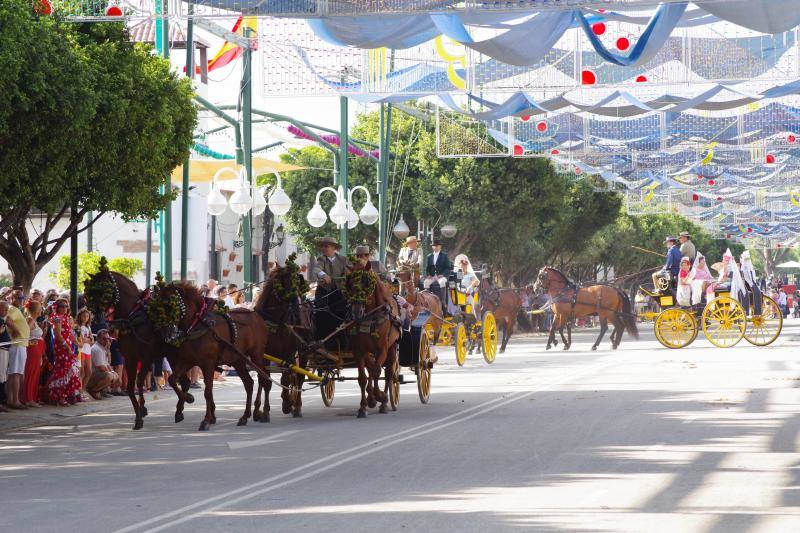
<point x="22" y="273"/>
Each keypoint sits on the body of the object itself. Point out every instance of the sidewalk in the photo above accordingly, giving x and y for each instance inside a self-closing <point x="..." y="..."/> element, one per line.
<point x="50" y="414"/>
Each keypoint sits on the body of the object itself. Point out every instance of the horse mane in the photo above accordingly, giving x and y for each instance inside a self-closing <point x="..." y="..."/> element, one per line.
<point x="188" y="290"/>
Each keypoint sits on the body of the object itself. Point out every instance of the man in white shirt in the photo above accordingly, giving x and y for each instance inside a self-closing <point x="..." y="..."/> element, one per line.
<point x="410" y="257"/>
<point x="103" y="377"/>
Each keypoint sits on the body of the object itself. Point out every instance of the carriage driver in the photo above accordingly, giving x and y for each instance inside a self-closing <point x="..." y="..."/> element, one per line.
<point x="363" y="257"/>
<point x="410" y="257"/>
<point x="673" y="263"/>
<point x="329" y="266"/>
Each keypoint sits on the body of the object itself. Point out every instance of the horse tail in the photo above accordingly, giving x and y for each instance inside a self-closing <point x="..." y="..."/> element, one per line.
<point x="524" y="320"/>
<point x="628" y="316"/>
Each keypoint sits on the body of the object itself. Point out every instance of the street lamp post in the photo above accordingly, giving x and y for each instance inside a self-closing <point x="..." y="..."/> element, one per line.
<point x="342" y="213"/>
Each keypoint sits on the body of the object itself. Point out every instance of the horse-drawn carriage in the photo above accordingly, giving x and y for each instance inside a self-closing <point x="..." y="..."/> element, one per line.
<point x="723" y="319"/>
<point x="472" y="330"/>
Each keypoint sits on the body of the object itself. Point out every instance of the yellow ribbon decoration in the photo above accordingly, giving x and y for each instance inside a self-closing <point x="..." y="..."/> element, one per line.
<point x="452" y="60"/>
<point x="710" y="155"/>
<point x="794" y="197"/>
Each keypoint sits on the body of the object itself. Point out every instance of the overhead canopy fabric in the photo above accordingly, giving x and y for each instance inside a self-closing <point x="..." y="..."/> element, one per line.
<point x="202" y="171"/>
<point x="789" y="264"/>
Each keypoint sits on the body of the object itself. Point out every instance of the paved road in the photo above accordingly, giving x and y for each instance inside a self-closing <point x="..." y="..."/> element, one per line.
<point x="640" y="439"/>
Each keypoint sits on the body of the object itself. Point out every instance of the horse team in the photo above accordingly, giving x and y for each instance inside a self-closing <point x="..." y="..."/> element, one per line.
<point x="281" y="324"/>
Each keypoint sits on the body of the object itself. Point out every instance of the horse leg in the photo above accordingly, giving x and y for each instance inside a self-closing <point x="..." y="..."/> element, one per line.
<point x="130" y="368"/>
<point x="552" y="338"/>
<point x="362" y="382"/>
<point x="286" y="397"/>
<point x="375" y="376"/>
<point x="173" y="382"/>
<point x="562" y="323"/>
<point x="389" y="373"/>
<point x="257" y="402"/>
<point x="247" y="381"/>
<point x="140" y="385"/>
<point x="616" y="335"/>
<point x="297" y="405"/>
<point x="208" y="393"/>
<point x="266" y="384"/>
<point x="603" y="329"/>
<point x="508" y="329"/>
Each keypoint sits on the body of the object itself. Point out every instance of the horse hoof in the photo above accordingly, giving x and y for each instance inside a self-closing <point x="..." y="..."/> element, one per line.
<point x="548" y="347"/>
<point x="264" y="418"/>
<point x="371" y="403"/>
<point x="383" y="409"/>
<point x="594" y="348"/>
<point x="502" y="350"/>
<point x="566" y="347"/>
<point x="361" y="414"/>
<point x="144" y="411"/>
<point x="178" y="417"/>
<point x="139" y="424"/>
<point x="297" y="414"/>
<point x="203" y="426"/>
<point x="286" y="407"/>
<point x="213" y="419"/>
<point x="257" y="414"/>
<point x="242" y="421"/>
<point x="614" y="346"/>
<point x="189" y="398"/>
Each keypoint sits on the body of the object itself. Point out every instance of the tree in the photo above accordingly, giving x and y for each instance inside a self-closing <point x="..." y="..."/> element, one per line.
<point x="88" y="122"/>
<point x="89" y="263"/>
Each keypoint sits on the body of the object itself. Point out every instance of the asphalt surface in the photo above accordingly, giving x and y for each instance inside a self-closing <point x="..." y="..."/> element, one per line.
<point x="639" y="439"/>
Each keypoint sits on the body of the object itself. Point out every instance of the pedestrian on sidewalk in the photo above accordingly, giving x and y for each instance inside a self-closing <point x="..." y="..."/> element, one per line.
<point x="19" y="331"/>
<point x="33" y="364"/>
<point x="103" y="377"/>
<point x="64" y="385"/>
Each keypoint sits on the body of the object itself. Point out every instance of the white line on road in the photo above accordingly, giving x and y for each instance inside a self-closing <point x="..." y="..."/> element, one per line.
<point x="238" y="445"/>
<point x="326" y="463"/>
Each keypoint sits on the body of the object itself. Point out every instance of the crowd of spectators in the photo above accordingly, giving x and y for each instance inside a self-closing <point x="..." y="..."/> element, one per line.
<point x="49" y="356"/>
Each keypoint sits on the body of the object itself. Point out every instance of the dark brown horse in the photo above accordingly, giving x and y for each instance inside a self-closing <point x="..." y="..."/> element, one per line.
<point x="202" y="337"/>
<point x="374" y="336"/>
<point x="504" y="304"/>
<point x="421" y="300"/>
<point x="281" y="306"/>
<point x="569" y="301"/>
<point x="123" y="305"/>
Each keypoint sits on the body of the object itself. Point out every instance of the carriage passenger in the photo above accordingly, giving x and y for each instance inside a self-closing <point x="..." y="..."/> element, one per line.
<point x="672" y="264"/>
<point x="684" y="294"/>
<point x="700" y="277"/>
<point x="468" y="280"/>
<point x="363" y="257"/>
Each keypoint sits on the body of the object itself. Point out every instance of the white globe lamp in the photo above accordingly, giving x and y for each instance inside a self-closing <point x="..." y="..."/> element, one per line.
<point x="316" y="216"/>
<point x="401" y="229"/>
<point x="216" y="204"/>
<point x="259" y="204"/>
<point x="369" y="214"/>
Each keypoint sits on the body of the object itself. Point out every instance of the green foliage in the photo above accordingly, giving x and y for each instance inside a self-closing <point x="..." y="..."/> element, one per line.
<point x="5" y="281"/>
<point x="88" y="121"/>
<point x="89" y="263"/>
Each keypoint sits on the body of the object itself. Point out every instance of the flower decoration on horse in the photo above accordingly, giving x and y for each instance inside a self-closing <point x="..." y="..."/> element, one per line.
<point x="101" y="290"/>
<point x="296" y="287"/>
<point x="165" y="311"/>
<point x="359" y="286"/>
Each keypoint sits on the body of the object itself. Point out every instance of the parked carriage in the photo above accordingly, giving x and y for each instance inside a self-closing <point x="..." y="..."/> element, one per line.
<point x="724" y="320"/>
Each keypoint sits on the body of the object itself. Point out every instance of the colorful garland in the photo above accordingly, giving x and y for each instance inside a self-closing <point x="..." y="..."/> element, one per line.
<point x="101" y="294"/>
<point x="359" y="294"/>
<point x="298" y="286"/>
<point x="166" y="311"/>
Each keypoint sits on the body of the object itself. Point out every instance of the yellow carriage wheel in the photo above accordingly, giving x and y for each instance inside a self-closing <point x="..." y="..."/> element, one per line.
<point x="461" y="344"/>
<point x="724" y="322"/>
<point x="763" y="329"/>
<point x="393" y="373"/>
<point x="446" y="333"/>
<point x="328" y="389"/>
<point x="675" y="328"/>
<point x="489" y="337"/>
<point x="424" y="368"/>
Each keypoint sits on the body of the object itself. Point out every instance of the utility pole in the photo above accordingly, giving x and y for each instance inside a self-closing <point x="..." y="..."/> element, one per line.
<point x="162" y="46"/>
<point x="344" y="142"/>
<point x="185" y="184"/>
<point x="383" y="185"/>
<point x="247" y="141"/>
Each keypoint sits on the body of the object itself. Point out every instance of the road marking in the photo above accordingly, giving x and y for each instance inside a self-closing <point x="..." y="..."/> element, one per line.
<point x="324" y="464"/>
<point x="238" y="445"/>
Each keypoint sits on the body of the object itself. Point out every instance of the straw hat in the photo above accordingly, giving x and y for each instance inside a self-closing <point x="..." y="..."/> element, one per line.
<point x="411" y="238"/>
<point x="328" y="240"/>
<point x="362" y="250"/>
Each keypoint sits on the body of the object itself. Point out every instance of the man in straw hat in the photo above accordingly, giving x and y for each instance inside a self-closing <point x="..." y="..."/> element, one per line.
<point x="329" y="264"/>
<point x="410" y="257"/>
<point x="673" y="264"/>
<point x="687" y="246"/>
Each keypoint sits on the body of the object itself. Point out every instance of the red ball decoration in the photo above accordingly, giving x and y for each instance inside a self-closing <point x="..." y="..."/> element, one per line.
<point x="588" y="77"/>
<point x="113" y="11"/>
<point x="778" y="245"/>
<point x="623" y="43"/>
<point x="518" y="150"/>
<point x="719" y="198"/>
<point x="598" y="28"/>
<point x="791" y="138"/>
<point x="525" y="118"/>
<point x="554" y="151"/>
<point x="541" y="126"/>
<point x="43" y="7"/>
<point x="749" y="230"/>
<point x="711" y="182"/>
<point x="578" y="171"/>
<point x="695" y="197"/>
<point x="728" y="236"/>
<point x="770" y="159"/>
<point x="641" y="78"/>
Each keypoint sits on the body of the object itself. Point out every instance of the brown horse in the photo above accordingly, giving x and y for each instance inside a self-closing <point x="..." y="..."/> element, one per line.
<point x="287" y="319"/>
<point x="123" y="306"/>
<point x="421" y="300"/>
<point x="504" y="304"/>
<point x="569" y="301"/>
<point x="374" y="335"/>
<point x="202" y="337"/>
